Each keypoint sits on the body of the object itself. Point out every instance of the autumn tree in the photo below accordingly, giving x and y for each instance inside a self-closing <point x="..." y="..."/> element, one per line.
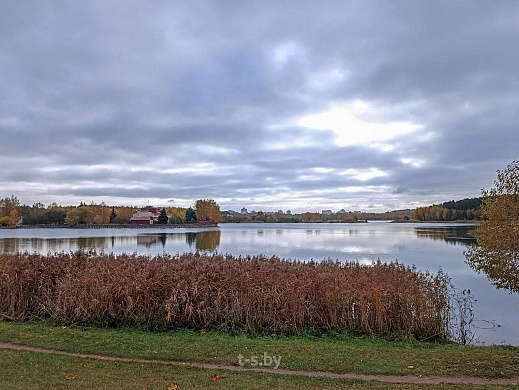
<point x="124" y="213"/>
<point x="497" y="252"/>
<point x="208" y="210"/>
<point x="177" y="214"/>
<point x="311" y="217"/>
<point x="450" y="211"/>
<point x="79" y="216"/>
<point x="9" y="210"/>
<point x="100" y="213"/>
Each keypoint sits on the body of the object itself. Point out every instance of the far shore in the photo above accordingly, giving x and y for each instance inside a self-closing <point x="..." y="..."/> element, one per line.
<point x="206" y="225"/>
<point x="471" y="221"/>
<point x="114" y="226"/>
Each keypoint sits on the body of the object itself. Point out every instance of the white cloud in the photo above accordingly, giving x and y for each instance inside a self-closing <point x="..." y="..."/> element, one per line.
<point x="356" y="123"/>
<point x="363" y="174"/>
<point x="415" y="162"/>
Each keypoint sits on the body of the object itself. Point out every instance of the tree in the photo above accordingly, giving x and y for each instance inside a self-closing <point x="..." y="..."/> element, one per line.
<point x="8" y="204"/>
<point x="5" y="221"/>
<point x="191" y="216"/>
<point x="55" y="217"/>
<point x="176" y="220"/>
<point x="124" y="214"/>
<point x="208" y="210"/>
<point x="15" y="217"/>
<point x="79" y="216"/>
<point x="497" y="252"/>
<point x="113" y="215"/>
<point x="176" y="214"/>
<point x="100" y="213"/>
<point x="163" y="217"/>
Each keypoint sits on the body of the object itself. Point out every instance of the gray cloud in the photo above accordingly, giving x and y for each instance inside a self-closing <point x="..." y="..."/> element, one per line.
<point x="156" y="100"/>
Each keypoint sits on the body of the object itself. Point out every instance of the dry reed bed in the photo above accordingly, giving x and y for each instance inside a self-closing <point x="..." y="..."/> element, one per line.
<point x="253" y="295"/>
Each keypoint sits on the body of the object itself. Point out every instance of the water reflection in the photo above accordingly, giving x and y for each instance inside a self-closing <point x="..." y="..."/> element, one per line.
<point x="501" y="267"/>
<point x="190" y="239"/>
<point x="9" y="245"/>
<point x="455" y="235"/>
<point x="210" y="240"/>
<point x="497" y="254"/>
<point x="200" y="241"/>
<point x="204" y="241"/>
<point x="149" y="240"/>
<point x="97" y="243"/>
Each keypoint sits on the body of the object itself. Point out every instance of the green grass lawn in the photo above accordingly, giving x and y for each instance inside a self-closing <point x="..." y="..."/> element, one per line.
<point x="335" y="353"/>
<point x="27" y="370"/>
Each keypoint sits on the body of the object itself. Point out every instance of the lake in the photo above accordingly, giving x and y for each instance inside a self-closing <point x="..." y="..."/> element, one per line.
<point x="427" y="246"/>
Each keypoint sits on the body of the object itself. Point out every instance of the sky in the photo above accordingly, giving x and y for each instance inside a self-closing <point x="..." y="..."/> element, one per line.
<point x="301" y="105"/>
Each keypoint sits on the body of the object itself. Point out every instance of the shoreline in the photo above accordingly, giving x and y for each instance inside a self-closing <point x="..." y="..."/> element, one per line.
<point x="115" y="226"/>
<point x="472" y="221"/>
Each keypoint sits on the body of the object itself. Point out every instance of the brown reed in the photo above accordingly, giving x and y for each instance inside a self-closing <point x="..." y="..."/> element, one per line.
<point x="253" y="295"/>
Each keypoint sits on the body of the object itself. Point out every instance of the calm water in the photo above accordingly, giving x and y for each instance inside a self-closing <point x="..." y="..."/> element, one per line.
<point x="428" y="246"/>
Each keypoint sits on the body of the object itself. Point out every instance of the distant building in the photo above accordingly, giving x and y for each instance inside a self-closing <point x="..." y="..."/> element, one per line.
<point x="327" y="212"/>
<point x="146" y="216"/>
<point x="244" y="211"/>
<point x="342" y="211"/>
<point x="289" y="212"/>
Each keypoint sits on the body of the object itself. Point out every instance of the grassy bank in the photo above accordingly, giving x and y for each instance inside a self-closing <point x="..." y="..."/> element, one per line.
<point x="252" y="295"/>
<point x="333" y="353"/>
<point x="25" y="370"/>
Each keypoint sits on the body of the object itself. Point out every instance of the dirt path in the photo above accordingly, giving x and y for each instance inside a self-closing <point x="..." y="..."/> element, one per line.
<point x="412" y="379"/>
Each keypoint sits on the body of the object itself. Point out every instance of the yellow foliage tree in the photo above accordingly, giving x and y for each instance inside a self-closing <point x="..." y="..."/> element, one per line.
<point x="497" y="253"/>
<point x="124" y="213"/>
<point x="207" y="210"/>
<point x="177" y="213"/>
<point x="5" y="221"/>
<point x="15" y="217"/>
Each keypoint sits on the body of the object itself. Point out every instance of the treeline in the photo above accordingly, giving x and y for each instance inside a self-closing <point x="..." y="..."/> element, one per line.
<point x="95" y="214"/>
<point x="280" y="217"/>
<point x="395" y="215"/>
<point x="12" y="213"/>
<point x="465" y="209"/>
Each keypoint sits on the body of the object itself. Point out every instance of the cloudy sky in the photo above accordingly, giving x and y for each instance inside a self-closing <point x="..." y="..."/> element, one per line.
<point x="362" y="105"/>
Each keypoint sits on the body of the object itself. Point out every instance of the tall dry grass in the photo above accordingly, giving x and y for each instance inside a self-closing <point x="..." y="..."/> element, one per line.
<point x="254" y="295"/>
